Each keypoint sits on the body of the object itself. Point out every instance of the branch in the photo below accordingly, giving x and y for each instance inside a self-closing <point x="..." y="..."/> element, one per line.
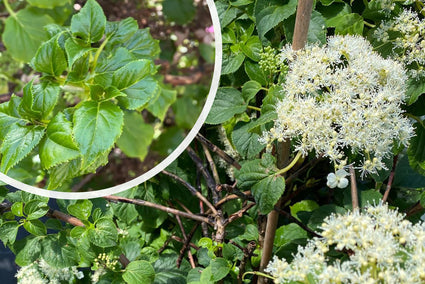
<point x="390" y="179"/>
<point x="218" y="151"/>
<point x="159" y="207"/>
<point x="354" y="196"/>
<point x="192" y="190"/>
<point x="247" y="253"/>
<point x="238" y="214"/>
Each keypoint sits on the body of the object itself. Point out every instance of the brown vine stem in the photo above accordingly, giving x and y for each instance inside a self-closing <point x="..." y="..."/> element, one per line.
<point x="390" y="180"/>
<point x="159" y="207"/>
<point x="354" y="195"/>
<point x="302" y="21"/>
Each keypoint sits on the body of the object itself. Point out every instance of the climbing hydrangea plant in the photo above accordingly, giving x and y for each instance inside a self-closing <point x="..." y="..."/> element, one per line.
<point x="96" y="75"/>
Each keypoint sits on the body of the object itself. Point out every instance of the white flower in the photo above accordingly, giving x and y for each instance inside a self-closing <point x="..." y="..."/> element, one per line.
<point x="337" y="179"/>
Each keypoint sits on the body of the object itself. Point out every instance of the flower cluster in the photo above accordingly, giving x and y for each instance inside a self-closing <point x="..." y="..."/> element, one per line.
<point x="40" y="272"/>
<point x="381" y="248"/>
<point x="409" y="41"/>
<point x="342" y="96"/>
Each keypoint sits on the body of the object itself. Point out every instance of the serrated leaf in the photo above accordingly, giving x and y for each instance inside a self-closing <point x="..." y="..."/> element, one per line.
<point x="220" y="267"/>
<point x="50" y="58"/>
<point x="268" y="14"/>
<point x="415" y="88"/>
<point x="131" y="73"/>
<point x="8" y="232"/>
<point x="142" y="45"/>
<point x="136" y="137"/>
<point x="35" y="227"/>
<point x="267" y="192"/>
<point x="81" y="209"/>
<point x="97" y="125"/>
<point x="18" y="209"/>
<point x="140" y="94"/>
<point x="167" y="272"/>
<point x="231" y="63"/>
<point x="139" y="271"/>
<point x="18" y="144"/>
<point x="24" y="33"/>
<point x="252" y="48"/>
<point x="226" y="13"/>
<point x="255" y="73"/>
<point x="29" y="251"/>
<point x="228" y="102"/>
<point x="63" y="172"/>
<point x="288" y="233"/>
<point x="35" y="209"/>
<point x="250" y="89"/>
<point x="48" y="4"/>
<point x="121" y="31"/>
<point x="9" y="115"/>
<point x="416" y="150"/>
<point x="245" y="142"/>
<point x="58" y="146"/>
<point x="179" y="11"/>
<point x="75" y="51"/>
<point x="160" y="106"/>
<point x="104" y="234"/>
<point x="89" y="24"/>
<point x="57" y="252"/>
<point x="348" y="24"/>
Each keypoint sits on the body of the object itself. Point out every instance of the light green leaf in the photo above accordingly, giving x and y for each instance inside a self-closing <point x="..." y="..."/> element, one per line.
<point x="160" y="106"/>
<point x="35" y="209"/>
<point x="18" y="144"/>
<point x="142" y="45"/>
<point x="35" y="227"/>
<point x="29" y="251"/>
<point x="288" y="233"/>
<point x="348" y="24"/>
<point x="8" y="232"/>
<point x="24" y="33"/>
<point x="250" y="89"/>
<point x="228" y="102"/>
<point x="246" y="142"/>
<point x="18" y="209"/>
<point x="131" y="73"/>
<point x="9" y="115"/>
<point x="63" y="172"/>
<point x="58" y="146"/>
<point x="81" y="209"/>
<point x="104" y="234"/>
<point x="57" y="252"/>
<point x="139" y="271"/>
<point x="75" y="51"/>
<point x="140" y="94"/>
<point x="231" y="63"/>
<point x="47" y="4"/>
<point x="136" y="137"/>
<point x="50" y="58"/>
<point x="252" y="48"/>
<point x="220" y="268"/>
<point x="97" y="125"/>
<point x="89" y="24"/>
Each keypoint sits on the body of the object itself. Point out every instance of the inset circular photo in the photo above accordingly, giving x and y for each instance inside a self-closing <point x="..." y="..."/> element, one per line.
<point x="98" y="96"/>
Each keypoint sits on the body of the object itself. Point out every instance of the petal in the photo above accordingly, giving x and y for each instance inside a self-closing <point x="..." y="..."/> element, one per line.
<point x="341" y="173"/>
<point x="342" y="183"/>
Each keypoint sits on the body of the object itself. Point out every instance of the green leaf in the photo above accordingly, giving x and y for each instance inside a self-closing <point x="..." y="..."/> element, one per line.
<point x="58" y="146"/>
<point x="50" y="58"/>
<point x="132" y="73"/>
<point x="179" y="11"/>
<point x="24" y="33"/>
<point x="162" y="103"/>
<point x="35" y="209"/>
<point x="97" y="125"/>
<point x="35" y="227"/>
<point x="18" y="144"/>
<point x="139" y="271"/>
<point x="75" y="51"/>
<point x="142" y="45"/>
<point x="104" y="234"/>
<point x="47" y="4"/>
<point x="226" y="13"/>
<point x="136" y="137"/>
<point x="416" y="150"/>
<point x="18" y="209"/>
<point x="228" y="102"/>
<point x="81" y="209"/>
<point x="317" y="28"/>
<point x="29" y="251"/>
<point x="167" y="272"/>
<point x="220" y="267"/>
<point x="405" y="176"/>
<point x="57" y="252"/>
<point x="8" y="232"/>
<point x="288" y="233"/>
<point x="303" y="206"/>
<point x="259" y="176"/>
<point x="121" y="31"/>
<point x="232" y="63"/>
<point x="415" y="88"/>
<point x="250" y="89"/>
<point x="9" y="115"/>
<point x="89" y="24"/>
<point x="140" y="94"/>
<point x="255" y="73"/>
<point x="318" y="215"/>
<point x="246" y="142"/>
<point x="334" y="11"/>
<point x="252" y="48"/>
<point x="348" y="24"/>
<point x="250" y="234"/>
<point x="269" y="14"/>
<point x="63" y="172"/>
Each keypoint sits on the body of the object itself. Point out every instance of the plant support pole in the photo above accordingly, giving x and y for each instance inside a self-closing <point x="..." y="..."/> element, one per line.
<point x="302" y="21"/>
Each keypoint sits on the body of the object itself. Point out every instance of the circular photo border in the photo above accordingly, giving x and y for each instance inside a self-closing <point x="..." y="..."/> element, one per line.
<point x="164" y="163"/>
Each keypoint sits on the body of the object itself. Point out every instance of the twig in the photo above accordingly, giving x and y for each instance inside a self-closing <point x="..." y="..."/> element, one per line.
<point x="235" y="196"/>
<point x="159" y="207"/>
<point x="83" y="182"/>
<point x="416" y="208"/>
<point x="354" y="196"/>
<point x="161" y="249"/>
<point x="296" y="221"/>
<point x="238" y="214"/>
<point x="390" y="180"/>
<point x="187" y="242"/>
<point x="192" y="190"/>
<point x="180" y="240"/>
<point x="231" y="189"/>
<point x="218" y="151"/>
<point x="211" y="164"/>
<point x="247" y="253"/>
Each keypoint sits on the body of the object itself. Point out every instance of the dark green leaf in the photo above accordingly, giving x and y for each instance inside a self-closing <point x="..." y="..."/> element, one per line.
<point x="250" y="89"/>
<point x="179" y="11"/>
<point x="29" y="251"/>
<point x="35" y="227"/>
<point x="405" y="176"/>
<point x="255" y="73"/>
<point x="416" y="150"/>
<point x="132" y="73"/>
<point x="287" y="233"/>
<point x="8" y="232"/>
<point x="162" y="103"/>
<point x="35" y="209"/>
<point x="18" y="144"/>
<point x="246" y="142"/>
<point x="142" y="45"/>
<point x="415" y="88"/>
<point x="139" y="271"/>
<point x="57" y="252"/>
<point x="121" y="31"/>
<point x="227" y="103"/>
<point x="39" y="100"/>
<point x="140" y="94"/>
<point x="231" y="63"/>
<point x="226" y="14"/>
<point x="75" y="51"/>
<point x="347" y="24"/>
<point x="220" y="268"/>
<point x="89" y="24"/>
<point x="136" y="137"/>
<point x="81" y="209"/>
<point x="167" y="272"/>
<point x="50" y="58"/>
<point x="316" y="219"/>
<point x="104" y="234"/>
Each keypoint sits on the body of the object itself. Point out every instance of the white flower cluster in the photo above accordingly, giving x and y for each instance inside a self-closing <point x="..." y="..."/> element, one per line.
<point x="40" y="272"/>
<point x="409" y="44"/>
<point x="381" y="248"/>
<point x="342" y="96"/>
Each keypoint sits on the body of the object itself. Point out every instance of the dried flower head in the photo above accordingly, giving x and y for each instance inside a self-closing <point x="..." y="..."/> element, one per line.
<point x="342" y="96"/>
<point x="383" y="248"/>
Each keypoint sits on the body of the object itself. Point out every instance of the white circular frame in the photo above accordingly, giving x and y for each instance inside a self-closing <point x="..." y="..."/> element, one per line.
<point x="164" y="163"/>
